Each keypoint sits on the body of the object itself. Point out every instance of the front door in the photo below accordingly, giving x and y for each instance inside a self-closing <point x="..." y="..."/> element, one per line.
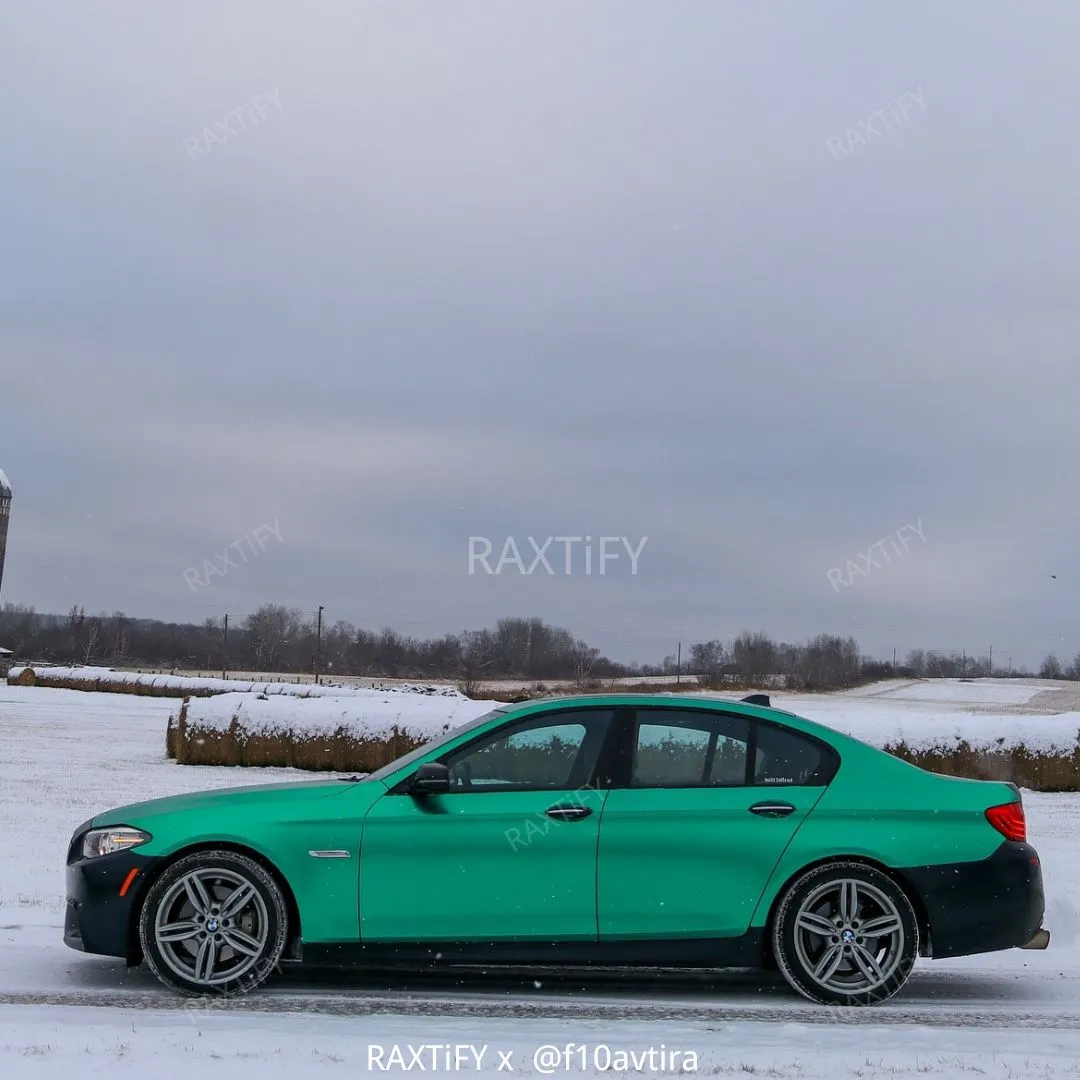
<point x="508" y="855"/>
<point x="687" y="847"/>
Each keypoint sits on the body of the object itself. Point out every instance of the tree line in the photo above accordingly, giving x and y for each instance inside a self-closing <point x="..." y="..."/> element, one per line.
<point x="276" y="638"/>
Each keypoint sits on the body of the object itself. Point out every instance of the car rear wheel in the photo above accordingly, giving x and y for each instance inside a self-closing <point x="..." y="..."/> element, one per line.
<point x="215" y="922"/>
<point x="845" y="934"/>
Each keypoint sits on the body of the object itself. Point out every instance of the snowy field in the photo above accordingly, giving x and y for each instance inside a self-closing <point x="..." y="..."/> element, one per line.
<point x="179" y="685"/>
<point x="985" y="714"/>
<point x="65" y="755"/>
<point x="923" y="715"/>
<point x="958" y="693"/>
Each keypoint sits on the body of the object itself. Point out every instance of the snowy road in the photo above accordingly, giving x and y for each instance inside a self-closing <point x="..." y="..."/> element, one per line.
<point x="65" y="755"/>
<point x="1034" y="988"/>
<point x="110" y="1042"/>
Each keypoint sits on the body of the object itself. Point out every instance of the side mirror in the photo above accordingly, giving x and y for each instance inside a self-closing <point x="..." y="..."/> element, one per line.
<point x="430" y="779"/>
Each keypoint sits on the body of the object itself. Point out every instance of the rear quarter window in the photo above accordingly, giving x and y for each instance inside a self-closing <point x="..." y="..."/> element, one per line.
<point x="785" y="758"/>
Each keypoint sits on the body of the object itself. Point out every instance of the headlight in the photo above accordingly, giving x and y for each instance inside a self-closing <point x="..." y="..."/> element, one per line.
<point x="107" y="841"/>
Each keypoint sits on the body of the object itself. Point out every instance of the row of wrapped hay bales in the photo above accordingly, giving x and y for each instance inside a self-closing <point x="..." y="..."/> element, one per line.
<point x="1039" y="769"/>
<point x="354" y="734"/>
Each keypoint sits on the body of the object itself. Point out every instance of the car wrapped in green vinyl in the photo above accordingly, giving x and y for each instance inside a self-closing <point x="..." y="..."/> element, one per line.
<point x="624" y="830"/>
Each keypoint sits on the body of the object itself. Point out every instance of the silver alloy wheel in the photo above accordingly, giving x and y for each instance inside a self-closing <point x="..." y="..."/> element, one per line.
<point x="211" y="926"/>
<point x="849" y="936"/>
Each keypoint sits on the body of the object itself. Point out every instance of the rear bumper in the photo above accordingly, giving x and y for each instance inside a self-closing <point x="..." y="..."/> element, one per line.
<point x="975" y="907"/>
<point x="97" y="918"/>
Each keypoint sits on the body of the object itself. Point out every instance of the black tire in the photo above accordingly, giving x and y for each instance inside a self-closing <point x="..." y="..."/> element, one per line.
<point x="842" y="966"/>
<point x="192" y="940"/>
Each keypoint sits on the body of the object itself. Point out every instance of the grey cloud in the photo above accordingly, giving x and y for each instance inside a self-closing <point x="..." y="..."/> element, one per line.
<point x="545" y="267"/>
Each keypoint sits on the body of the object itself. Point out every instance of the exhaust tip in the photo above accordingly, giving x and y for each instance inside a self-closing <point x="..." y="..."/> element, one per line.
<point x="1041" y="940"/>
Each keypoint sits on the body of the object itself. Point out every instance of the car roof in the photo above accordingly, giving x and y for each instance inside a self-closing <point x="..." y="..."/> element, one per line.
<point x="616" y="700"/>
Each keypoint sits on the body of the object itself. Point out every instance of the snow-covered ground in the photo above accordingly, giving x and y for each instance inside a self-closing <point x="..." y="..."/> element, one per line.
<point x="881" y="723"/>
<point x="958" y="692"/>
<point x="65" y="755"/>
<point x="48" y="1042"/>
<point x="922" y="715"/>
<point x="51" y="674"/>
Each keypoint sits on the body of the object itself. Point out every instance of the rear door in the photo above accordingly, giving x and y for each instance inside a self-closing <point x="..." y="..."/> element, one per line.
<point x="708" y="803"/>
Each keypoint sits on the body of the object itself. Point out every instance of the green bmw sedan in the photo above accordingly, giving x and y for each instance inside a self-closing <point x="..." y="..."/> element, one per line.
<point x="628" y="831"/>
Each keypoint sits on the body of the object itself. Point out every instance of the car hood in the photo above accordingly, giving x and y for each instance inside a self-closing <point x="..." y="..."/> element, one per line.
<point x="290" y="794"/>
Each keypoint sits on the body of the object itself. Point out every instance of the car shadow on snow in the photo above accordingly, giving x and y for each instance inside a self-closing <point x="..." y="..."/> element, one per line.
<point x="697" y="989"/>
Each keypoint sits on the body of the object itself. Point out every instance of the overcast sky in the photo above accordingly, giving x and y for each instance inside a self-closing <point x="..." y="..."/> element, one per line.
<point x="766" y="283"/>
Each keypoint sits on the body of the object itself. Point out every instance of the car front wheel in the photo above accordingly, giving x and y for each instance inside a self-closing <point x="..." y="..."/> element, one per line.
<point x="845" y="934"/>
<point x="215" y="922"/>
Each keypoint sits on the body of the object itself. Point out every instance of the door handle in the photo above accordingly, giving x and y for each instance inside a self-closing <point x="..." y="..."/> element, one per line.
<point x="772" y="809"/>
<point x="568" y="813"/>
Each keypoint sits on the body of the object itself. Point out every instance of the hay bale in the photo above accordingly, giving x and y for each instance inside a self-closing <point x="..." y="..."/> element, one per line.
<point x="359" y="733"/>
<point x="174" y="731"/>
<point x="1036" y="770"/>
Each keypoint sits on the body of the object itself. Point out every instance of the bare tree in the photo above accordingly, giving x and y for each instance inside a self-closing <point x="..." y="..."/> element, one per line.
<point x="584" y="658"/>
<point x="119" y="636"/>
<point x="1051" y="668"/>
<point x="93" y="629"/>
<point x="754" y="655"/>
<point x="707" y="659"/>
<point x="269" y="629"/>
<point x="477" y="655"/>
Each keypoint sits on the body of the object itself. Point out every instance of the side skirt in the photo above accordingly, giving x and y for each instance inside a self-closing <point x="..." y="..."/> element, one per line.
<point x="747" y="951"/>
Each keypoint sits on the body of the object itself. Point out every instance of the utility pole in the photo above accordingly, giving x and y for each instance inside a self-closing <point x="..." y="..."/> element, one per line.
<point x="894" y="660"/>
<point x="225" y="647"/>
<point x="991" y="671"/>
<point x="678" y="665"/>
<point x="318" y="643"/>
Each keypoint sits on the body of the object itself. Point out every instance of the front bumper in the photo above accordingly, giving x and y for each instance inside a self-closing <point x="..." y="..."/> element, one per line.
<point x="97" y="918"/>
<point x="975" y="907"/>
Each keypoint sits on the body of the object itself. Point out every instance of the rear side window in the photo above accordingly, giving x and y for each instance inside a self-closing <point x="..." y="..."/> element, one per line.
<point x="785" y="757"/>
<point x="685" y="748"/>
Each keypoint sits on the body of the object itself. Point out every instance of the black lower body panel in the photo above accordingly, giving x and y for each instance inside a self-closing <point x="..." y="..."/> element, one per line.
<point x="975" y="907"/>
<point x="98" y="919"/>
<point x="747" y="951"/>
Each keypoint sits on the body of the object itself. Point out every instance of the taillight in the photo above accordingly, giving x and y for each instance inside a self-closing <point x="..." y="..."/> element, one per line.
<point x="1008" y="819"/>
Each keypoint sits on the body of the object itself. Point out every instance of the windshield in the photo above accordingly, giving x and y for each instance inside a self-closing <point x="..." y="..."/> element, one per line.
<point x="420" y="751"/>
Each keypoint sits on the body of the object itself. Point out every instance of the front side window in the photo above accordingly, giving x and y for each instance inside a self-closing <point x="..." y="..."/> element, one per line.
<point x="555" y="752"/>
<point x="679" y="748"/>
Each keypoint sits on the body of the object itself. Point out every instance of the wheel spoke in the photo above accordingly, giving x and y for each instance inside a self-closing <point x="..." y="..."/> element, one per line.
<point x="868" y="964"/>
<point x="241" y="942"/>
<point x="881" y="926"/>
<point x="205" y="960"/>
<point x="197" y="895"/>
<point x="177" y="931"/>
<point x="237" y="900"/>
<point x="815" y="924"/>
<point x="849" y="900"/>
<point x="829" y="962"/>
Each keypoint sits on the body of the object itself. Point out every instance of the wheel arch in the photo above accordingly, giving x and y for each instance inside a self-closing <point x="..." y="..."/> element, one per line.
<point x="134" y="951"/>
<point x="921" y="915"/>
